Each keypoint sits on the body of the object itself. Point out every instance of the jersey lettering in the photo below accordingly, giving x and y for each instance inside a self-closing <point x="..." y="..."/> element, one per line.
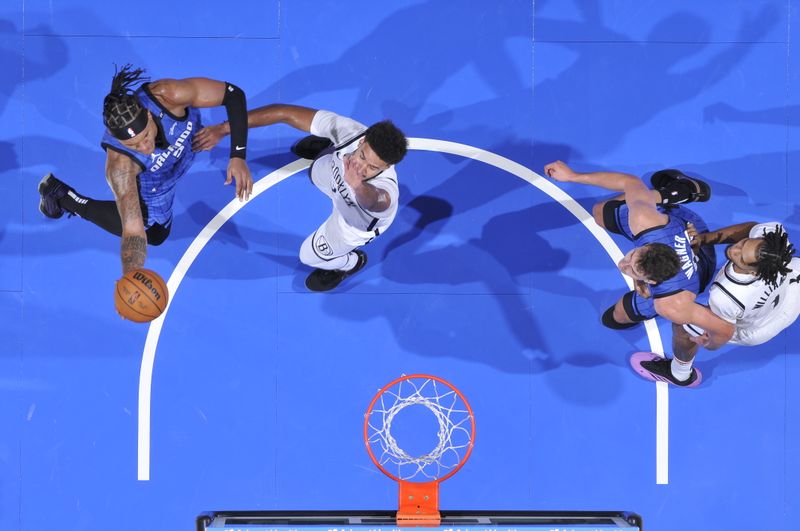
<point x="687" y="262"/>
<point x="340" y="185"/>
<point x="175" y="149"/>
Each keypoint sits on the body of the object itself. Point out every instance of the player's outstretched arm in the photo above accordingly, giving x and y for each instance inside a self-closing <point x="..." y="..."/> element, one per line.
<point x="609" y="180"/>
<point x="121" y="174"/>
<point x="641" y="200"/>
<point x="725" y="235"/>
<point x="176" y="94"/>
<point x="293" y="115"/>
<point x="682" y="309"/>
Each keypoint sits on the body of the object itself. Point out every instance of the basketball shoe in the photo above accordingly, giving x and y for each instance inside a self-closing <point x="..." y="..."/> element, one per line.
<point x="310" y="147"/>
<point x="327" y="279"/>
<point x="677" y="188"/>
<point x="660" y="369"/>
<point x="51" y="190"/>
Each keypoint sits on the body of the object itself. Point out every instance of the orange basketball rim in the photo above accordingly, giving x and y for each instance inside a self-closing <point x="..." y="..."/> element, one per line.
<point x="419" y="476"/>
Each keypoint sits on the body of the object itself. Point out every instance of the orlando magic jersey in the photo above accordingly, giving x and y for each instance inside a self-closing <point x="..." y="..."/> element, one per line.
<point x="696" y="268"/>
<point x="171" y="158"/>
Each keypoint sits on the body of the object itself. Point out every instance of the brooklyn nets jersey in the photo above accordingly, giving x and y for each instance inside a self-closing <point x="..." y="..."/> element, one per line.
<point x="327" y="173"/>
<point x="746" y="301"/>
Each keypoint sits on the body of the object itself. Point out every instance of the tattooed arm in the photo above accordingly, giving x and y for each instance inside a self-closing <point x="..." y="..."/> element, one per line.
<point x="121" y="174"/>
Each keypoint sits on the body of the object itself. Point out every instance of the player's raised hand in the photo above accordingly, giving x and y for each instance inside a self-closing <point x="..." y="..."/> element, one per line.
<point x="208" y="137"/>
<point x="351" y="172"/>
<point x="642" y="288"/>
<point x="559" y="171"/>
<point x="240" y="172"/>
<point x="695" y="240"/>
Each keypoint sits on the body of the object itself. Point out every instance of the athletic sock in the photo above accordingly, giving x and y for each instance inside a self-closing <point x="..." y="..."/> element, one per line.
<point x="681" y="370"/>
<point x="74" y="203"/>
<point x="104" y="214"/>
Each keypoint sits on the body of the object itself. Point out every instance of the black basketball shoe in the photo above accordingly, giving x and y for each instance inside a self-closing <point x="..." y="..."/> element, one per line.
<point x="327" y="279"/>
<point x="658" y="369"/>
<point x="310" y="147"/>
<point x="677" y="188"/>
<point x="51" y="190"/>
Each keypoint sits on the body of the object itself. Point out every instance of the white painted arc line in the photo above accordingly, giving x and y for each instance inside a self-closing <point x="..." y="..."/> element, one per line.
<point x="175" y="279"/>
<point x="422" y="144"/>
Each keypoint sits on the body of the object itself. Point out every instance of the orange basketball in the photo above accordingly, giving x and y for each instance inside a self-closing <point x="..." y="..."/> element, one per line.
<point x="140" y="295"/>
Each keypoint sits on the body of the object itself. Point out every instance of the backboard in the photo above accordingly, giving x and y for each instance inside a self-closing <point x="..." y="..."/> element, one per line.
<point x="450" y="521"/>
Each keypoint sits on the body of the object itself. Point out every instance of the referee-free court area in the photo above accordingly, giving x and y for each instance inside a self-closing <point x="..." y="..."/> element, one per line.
<point x="251" y="392"/>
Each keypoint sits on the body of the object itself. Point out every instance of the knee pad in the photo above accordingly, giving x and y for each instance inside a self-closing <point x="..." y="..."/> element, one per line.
<point x="610" y="322"/>
<point x="610" y="215"/>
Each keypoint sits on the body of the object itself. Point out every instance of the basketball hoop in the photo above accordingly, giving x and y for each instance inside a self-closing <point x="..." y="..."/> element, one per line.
<point x="419" y="475"/>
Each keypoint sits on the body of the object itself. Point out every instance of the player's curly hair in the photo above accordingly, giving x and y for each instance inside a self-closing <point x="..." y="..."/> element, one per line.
<point x="774" y="256"/>
<point x="121" y="106"/>
<point x="659" y="262"/>
<point x="388" y="142"/>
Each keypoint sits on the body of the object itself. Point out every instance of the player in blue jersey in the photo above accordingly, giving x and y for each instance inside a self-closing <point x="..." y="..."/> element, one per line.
<point x="148" y="144"/>
<point x="665" y="270"/>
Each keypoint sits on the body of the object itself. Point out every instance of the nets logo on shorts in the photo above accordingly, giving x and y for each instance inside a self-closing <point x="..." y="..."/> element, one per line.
<point x="323" y="247"/>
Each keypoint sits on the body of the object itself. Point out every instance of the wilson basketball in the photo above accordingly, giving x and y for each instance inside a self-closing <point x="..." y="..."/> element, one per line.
<point x="140" y="295"/>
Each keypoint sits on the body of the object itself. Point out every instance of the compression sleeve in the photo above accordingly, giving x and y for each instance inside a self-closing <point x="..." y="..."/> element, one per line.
<point x="236" y="106"/>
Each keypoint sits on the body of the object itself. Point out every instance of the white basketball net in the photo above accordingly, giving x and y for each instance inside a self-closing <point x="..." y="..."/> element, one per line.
<point x="454" y="434"/>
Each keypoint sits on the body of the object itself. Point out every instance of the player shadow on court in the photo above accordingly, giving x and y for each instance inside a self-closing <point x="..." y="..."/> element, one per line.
<point x="735" y="359"/>
<point x="735" y="196"/>
<point x="634" y="68"/>
<point x="46" y="52"/>
<point x="430" y="209"/>
<point x="8" y="156"/>
<point x="475" y="41"/>
<point x="41" y="57"/>
<point x="793" y="220"/>
<point x="724" y="112"/>
<point x="237" y="251"/>
<point x="492" y="261"/>
<point x="449" y="265"/>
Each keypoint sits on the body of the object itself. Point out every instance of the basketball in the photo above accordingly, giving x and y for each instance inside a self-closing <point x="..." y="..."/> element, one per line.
<point x="140" y="295"/>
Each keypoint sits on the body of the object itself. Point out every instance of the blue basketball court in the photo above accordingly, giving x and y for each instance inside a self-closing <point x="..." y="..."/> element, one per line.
<point x="250" y="394"/>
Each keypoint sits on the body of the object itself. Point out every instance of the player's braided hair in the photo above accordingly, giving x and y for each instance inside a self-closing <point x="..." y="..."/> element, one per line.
<point x="659" y="262"/>
<point x="774" y="256"/>
<point x="120" y="106"/>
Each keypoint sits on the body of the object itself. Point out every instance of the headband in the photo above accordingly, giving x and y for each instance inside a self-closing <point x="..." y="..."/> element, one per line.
<point x="136" y="126"/>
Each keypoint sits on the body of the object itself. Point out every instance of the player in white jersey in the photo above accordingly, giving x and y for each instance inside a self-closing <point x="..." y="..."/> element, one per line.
<point x="355" y="170"/>
<point x="757" y="290"/>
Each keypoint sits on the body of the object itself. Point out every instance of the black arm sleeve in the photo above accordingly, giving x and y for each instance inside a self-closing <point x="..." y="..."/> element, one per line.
<point x="236" y="106"/>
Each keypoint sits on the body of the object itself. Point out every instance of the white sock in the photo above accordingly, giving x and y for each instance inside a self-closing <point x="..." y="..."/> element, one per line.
<point x="681" y="370"/>
<point x="350" y="255"/>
